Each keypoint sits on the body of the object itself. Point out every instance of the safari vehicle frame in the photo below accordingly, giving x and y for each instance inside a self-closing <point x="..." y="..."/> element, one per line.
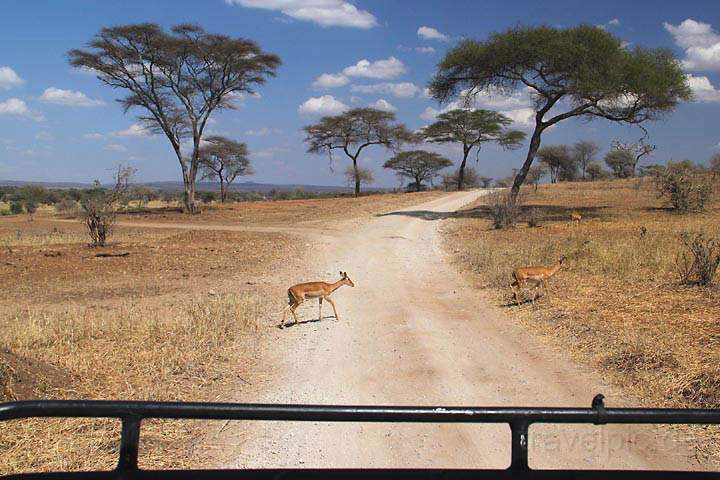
<point x="131" y="415"/>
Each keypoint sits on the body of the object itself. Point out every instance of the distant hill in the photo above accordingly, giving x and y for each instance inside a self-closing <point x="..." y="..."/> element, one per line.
<point x="171" y="186"/>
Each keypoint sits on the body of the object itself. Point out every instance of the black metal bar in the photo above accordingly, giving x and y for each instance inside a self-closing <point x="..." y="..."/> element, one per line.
<point x="132" y="413"/>
<point x="129" y="443"/>
<point x="519" y="446"/>
<point x="331" y="413"/>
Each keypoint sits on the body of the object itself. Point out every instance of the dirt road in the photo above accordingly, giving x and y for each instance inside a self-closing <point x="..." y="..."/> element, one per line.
<point x="413" y="332"/>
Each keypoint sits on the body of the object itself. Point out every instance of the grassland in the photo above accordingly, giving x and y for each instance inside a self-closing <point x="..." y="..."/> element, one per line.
<point x="617" y="303"/>
<point x="182" y="317"/>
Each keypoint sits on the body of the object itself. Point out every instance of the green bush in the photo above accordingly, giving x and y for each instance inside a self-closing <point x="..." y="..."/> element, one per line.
<point x="685" y="187"/>
<point x="16" y="207"/>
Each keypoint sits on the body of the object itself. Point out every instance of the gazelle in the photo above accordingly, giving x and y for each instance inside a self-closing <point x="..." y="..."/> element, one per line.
<point x="297" y="294"/>
<point x="537" y="275"/>
<point x="575" y="217"/>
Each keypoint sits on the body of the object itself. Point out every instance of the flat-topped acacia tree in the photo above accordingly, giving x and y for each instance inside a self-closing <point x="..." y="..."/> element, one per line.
<point x="582" y="71"/>
<point x="224" y="159"/>
<point x="472" y="128"/>
<point x="355" y="130"/>
<point x="419" y="165"/>
<point x="178" y="79"/>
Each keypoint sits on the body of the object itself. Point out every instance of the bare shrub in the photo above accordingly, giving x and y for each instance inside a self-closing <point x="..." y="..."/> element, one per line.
<point x="685" y="188"/>
<point x="67" y="206"/>
<point x="99" y="207"/>
<point x="534" y="217"/>
<point x="698" y="265"/>
<point x="504" y="209"/>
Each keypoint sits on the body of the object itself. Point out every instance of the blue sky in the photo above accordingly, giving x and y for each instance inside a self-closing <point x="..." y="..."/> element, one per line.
<point x="57" y="124"/>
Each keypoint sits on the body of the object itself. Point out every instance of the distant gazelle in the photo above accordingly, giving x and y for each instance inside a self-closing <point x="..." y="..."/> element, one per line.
<point x="297" y="294"/>
<point x="536" y="275"/>
<point x="575" y="217"/>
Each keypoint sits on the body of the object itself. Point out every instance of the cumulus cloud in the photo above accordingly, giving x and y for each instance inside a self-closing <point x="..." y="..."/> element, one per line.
<point x="331" y="80"/>
<point x="69" y="98"/>
<point x="521" y="117"/>
<point x="325" y="105"/>
<point x="614" y="22"/>
<point x="390" y="67"/>
<point x="323" y="12"/>
<point x="14" y="107"/>
<point x="404" y="89"/>
<point x="431" y="33"/>
<point x="9" y="79"/>
<point x="516" y="105"/>
<point x="383" y="105"/>
<point x="134" y="130"/>
<point x="703" y="90"/>
<point x="701" y="44"/>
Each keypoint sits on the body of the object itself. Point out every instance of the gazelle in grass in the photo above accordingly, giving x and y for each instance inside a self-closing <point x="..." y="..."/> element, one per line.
<point x="297" y="294"/>
<point x="575" y="217"/>
<point x="536" y="275"/>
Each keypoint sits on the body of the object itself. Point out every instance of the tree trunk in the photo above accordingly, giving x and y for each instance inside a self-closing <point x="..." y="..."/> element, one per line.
<point x="223" y="190"/>
<point x="189" y="203"/>
<point x="532" y="150"/>
<point x="417" y="184"/>
<point x="357" y="177"/>
<point x="461" y="171"/>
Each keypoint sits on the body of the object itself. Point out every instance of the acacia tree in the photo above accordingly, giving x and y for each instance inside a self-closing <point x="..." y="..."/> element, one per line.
<point x="225" y="160"/>
<point x="582" y="71"/>
<point x="364" y="174"/>
<point x="621" y="161"/>
<point x="633" y="152"/>
<point x="355" y="130"/>
<point x="419" y="165"/>
<point x="559" y="162"/>
<point x="472" y="128"/>
<point x="584" y="152"/>
<point x="176" y="79"/>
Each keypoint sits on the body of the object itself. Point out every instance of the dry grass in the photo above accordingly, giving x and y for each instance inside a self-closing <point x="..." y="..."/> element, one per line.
<point x="181" y="318"/>
<point x="617" y="302"/>
<point x="175" y="352"/>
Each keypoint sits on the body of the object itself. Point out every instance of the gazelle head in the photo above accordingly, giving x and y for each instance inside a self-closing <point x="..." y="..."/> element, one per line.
<point x="345" y="279"/>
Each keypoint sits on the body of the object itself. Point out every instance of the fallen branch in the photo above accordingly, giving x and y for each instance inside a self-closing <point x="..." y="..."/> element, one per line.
<point x="104" y="255"/>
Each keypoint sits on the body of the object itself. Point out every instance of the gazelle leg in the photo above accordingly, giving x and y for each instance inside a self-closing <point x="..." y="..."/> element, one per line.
<point x="333" y="305"/>
<point x="320" y="308"/>
<point x="293" y="308"/>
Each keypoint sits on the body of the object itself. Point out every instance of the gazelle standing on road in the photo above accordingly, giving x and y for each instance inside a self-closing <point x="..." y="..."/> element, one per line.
<point x="537" y="275"/>
<point x="297" y="294"/>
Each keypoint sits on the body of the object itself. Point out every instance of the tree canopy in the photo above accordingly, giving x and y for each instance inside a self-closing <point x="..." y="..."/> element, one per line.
<point x="582" y="71"/>
<point x="472" y="128"/>
<point x="224" y="159"/>
<point x="584" y="152"/>
<point x="355" y="130"/>
<point x="177" y="79"/>
<point x="419" y="165"/>
<point x="560" y="162"/>
<point x="621" y="161"/>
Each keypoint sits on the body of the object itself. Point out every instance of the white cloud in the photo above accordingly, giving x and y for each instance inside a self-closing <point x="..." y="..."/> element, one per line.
<point x="15" y="107"/>
<point x="515" y="105"/>
<point x="325" y="105"/>
<point x="323" y="12"/>
<point x="614" y="22"/>
<point x="425" y="49"/>
<point x="9" y="79"/>
<point x="69" y="98"/>
<point x="404" y="89"/>
<point x="432" y="34"/>
<point x="703" y="90"/>
<point x="93" y="136"/>
<point x="426" y="93"/>
<point x="521" y="117"/>
<point x="134" y="130"/>
<point x="331" y="80"/>
<point x="383" y="105"/>
<point x="391" y="67"/>
<point x="701" y="44"/>
<point x="262" y="132"/>
<point x="114" y="147"/>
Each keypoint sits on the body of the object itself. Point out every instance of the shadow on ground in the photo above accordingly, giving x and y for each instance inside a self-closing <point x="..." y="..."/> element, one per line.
<point x="547" y="213"/>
